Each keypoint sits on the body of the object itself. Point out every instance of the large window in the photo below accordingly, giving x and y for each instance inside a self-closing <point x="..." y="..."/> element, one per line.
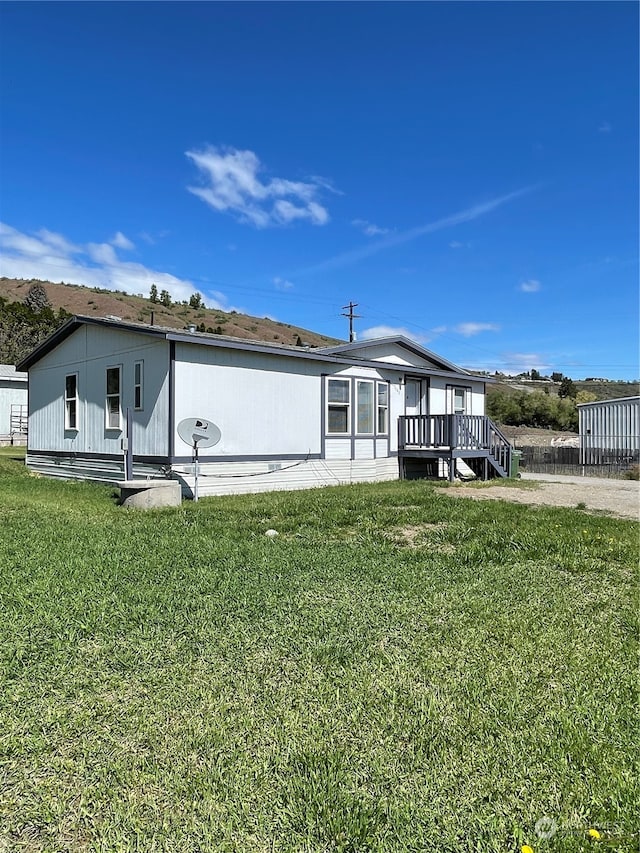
<point x="339" y="405"/>
<point x="383" y="408"/>
<point x="369" y="400"/>
<point x="113" y="398"/>
<point x="364" y="421"/>
<point x="71" y="401"/>
<point x="138" y="377"/>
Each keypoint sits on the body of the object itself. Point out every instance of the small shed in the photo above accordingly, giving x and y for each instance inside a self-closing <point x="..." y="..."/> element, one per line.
<point x="13" y="404"/>
<point x="609" y="431"/>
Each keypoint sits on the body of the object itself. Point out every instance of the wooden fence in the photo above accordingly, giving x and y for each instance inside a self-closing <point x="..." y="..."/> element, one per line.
<point x="566" y="460"/>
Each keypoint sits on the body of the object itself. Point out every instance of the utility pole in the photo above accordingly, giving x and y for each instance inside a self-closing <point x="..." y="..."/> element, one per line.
<point x="351" y="317"/>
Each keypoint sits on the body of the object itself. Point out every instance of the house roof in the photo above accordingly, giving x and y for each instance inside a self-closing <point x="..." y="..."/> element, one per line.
<point x="9" y="372"/>
<point x="595" y="403"/>
<point x="341" y="354"/>
<point x="407" y="343"/>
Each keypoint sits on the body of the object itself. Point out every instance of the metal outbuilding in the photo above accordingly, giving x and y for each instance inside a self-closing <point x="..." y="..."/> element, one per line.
<point x="609" y="431"/>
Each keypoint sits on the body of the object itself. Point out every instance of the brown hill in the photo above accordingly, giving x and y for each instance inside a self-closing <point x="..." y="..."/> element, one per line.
<point x="94" y="301"/>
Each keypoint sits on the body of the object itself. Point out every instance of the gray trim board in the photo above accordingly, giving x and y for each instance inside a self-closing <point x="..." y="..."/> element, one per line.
<point x="323" y="415"/>
<point x="172" y="399"/>
<point x="267" y="457"/>
<point x="69" y="454"/>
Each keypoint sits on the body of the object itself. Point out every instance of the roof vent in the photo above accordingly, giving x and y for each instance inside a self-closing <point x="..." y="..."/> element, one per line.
<point x="191" y="327"/>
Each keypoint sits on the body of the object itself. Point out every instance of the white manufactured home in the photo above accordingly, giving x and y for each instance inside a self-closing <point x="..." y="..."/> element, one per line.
<point x="106" y="399"/>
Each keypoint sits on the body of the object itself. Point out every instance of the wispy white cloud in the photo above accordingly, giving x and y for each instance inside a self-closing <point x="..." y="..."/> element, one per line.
<point x="231" y="183"/>
<point x="121" y="242"/>
<point x="468" y="215"/>
<point x="604" y="127"/>
<point x="51" y="257"/>
<point x="374" y="332"/>
<point x="369" y="228"/>
<point x="519" y="362"/>
<point x="456" y="244"/>
<point x="530" y="286"/>
<point x="282" y="284"/>
<point x="57" y="241"/>
<point x="470" y="329"/>
<point x="152" y="239"/>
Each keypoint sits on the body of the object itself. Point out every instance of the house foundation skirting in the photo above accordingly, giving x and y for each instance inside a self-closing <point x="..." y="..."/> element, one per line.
<point x="227" y="478"/>
<point x="219" y="478"/>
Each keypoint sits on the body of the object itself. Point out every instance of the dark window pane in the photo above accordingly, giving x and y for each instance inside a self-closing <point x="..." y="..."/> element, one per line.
<point x="338" y="419"/>
<point x="338" y="391"/>
<point x="365" y="407"/>
<point x="71" y="386"/>
<point x="113" y="380"/>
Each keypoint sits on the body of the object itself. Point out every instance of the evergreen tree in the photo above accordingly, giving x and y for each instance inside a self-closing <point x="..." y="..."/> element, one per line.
<point x="165" y="298"/>
<point x="195" y="301"/>
<point x="37" y="299"/>
<point x="567" y="388"/>
<point x="153" y="294"/>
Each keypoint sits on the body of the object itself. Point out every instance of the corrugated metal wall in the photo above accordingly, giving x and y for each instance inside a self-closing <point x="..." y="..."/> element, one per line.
<point x="609" y="430"/>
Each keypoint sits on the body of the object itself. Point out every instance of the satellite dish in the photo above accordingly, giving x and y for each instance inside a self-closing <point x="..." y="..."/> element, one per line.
<point x="197" y="433"/>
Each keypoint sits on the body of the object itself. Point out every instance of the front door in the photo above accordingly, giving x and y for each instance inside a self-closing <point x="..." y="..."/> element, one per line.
<point x="415" y="397"/>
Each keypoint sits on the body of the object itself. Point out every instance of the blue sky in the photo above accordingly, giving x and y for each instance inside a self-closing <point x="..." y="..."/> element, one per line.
<point x="466" y="172"/>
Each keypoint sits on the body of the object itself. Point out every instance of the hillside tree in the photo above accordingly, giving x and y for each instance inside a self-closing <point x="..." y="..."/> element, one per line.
<point x="165" y="298"/>
<point x="153" y="293"/>
<point x="567" y="388"/>
<point x="37" y="299"/>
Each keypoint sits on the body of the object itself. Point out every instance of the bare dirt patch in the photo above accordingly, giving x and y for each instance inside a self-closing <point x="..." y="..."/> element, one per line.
<point x="614" y="497"/>
<point x="419" y="536"/>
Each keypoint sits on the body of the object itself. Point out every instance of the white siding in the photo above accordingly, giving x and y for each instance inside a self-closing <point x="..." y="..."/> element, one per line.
<point x="440" y="395"/>
<point x="263" y="404"/>
<point x="12" y="393"/>
<point x="251" y="477"/>
<point x="338" y="448"/>
<point x="88" y="352"/>
<point x="396" y="354"/>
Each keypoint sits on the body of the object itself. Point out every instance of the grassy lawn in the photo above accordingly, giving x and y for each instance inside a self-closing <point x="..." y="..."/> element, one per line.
<point x="395" y="671"/>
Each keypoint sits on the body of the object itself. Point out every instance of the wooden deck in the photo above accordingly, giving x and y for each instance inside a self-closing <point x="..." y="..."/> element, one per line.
<point x="473" y="438"/>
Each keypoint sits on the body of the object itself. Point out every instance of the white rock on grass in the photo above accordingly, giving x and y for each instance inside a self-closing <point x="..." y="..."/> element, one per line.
<point x="271" y="533"/>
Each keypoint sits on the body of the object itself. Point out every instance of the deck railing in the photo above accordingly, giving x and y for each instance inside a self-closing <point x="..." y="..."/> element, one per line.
<point x="454" y="432"/>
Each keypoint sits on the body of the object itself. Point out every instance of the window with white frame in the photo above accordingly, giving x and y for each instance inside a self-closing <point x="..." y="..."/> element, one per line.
<point x="383" y="408"/>
<point x="113" y="398"/>
<point x="365" y="407"/>
<point x="71" y="401"/>
<point x="338" y="406"/>
<point x="138" y="378"/>
<point x="459" y="401"/>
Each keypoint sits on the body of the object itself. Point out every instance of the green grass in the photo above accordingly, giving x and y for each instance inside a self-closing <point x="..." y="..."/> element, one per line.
<point x="395" y="671"/>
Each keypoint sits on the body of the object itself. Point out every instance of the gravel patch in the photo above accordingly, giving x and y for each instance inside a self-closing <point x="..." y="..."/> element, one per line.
<point x="615" y="497"/>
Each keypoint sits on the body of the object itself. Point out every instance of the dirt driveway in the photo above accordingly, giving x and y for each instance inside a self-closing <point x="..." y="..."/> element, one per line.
<point x="617" y="497"/>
